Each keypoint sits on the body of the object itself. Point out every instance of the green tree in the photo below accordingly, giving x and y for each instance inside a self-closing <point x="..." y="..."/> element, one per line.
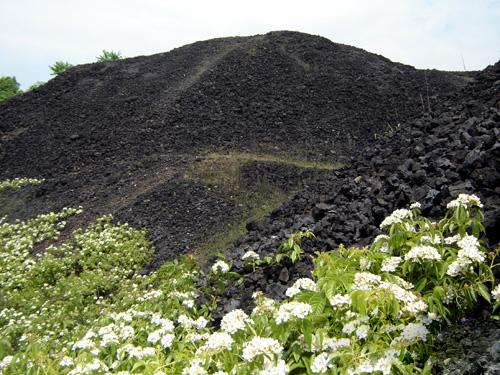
<point x="59" y="67"/>
<point x="8" y="87"/>
<point x="36" y="85"/>
<point x="109" y="56"/>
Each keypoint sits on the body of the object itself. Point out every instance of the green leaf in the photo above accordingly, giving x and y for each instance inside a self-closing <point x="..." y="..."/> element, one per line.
<point x="420" y="285"/>
<point x="483" y="290"/>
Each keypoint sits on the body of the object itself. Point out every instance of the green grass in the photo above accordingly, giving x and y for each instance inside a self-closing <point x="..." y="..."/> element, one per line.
<point x="223" y="169"/>
<point x="256" y="206"/>
<point x="217" y="168"/>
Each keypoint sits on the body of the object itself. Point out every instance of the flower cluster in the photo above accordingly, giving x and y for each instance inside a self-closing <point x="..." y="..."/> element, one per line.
<point x="468" y="254"/>
<point x="396" y="217"/>
<point x="234" y="321"/>
<point x="301" y="284"/>
<point x="465" y="200"/>
<point x="418" y="253"/>
<point x="220" y="267"/>
<point x="291" y="310"/>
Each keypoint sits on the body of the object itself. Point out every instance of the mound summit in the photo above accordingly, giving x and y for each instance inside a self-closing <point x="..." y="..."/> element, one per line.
<point x="122" y="137"/>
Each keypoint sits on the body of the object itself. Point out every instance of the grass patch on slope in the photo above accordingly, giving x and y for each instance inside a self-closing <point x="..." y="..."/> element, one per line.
<point x="223" y="168"/>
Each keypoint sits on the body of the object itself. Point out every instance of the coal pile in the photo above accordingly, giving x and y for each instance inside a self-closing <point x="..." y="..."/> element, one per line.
<point x="118" y="137"/>
<point x="428" y="160"/>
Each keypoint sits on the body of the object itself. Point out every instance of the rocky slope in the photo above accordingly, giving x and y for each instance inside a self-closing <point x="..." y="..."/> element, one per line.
<point x="119" y="137"/>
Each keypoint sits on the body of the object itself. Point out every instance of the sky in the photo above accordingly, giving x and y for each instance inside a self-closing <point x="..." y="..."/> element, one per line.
<point x="439" y="34"/>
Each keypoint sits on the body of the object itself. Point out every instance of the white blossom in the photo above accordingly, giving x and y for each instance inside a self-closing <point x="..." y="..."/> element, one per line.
<point x="280" y="368"/>
<point x="465" y="200"/>
<point x="340" y="300"/>
<point x="395" y="218"/>
<point x="415" y="205"/>
<point x="234" y="321"/>
<point x="414" y="331"/>
<point x="250" y="255"/>
<point x="220" y="267"/>
<point x="496" y="293"/>
<point x="422" y="253"/>
<point x="66" y="362"/>
<point x="292" y="309"/>
<point x="166" y="340"/>
<point x="216" y="343"/>
<point x="261" y="345"/>
<point x="390" y="264"/>
<point x="320" y="363"/>
<point x="301" y="284"/>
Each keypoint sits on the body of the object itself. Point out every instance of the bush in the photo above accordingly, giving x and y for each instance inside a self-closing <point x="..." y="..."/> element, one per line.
<point x="109" y="56"/>
<point x="60" y="67"/>
<point x="83" y="307"/>
<point x="8" y="87"/>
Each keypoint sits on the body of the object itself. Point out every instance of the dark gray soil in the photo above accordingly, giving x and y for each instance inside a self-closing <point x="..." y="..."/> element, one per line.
<point x="119" y="137"/>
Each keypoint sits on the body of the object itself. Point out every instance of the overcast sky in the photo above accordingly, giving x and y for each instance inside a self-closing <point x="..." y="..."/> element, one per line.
<point x="441" y="34"/>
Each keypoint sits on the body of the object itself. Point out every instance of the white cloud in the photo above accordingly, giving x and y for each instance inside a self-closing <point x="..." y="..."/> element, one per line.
<point x="426" y="34"/>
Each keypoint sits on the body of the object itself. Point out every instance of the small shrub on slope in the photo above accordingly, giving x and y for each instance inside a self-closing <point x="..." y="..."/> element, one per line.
<point x="60" y="67"/>
<point x="109" y="56"/>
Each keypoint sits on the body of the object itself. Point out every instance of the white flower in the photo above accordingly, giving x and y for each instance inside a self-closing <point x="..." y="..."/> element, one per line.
<point x="366" y="281"/>
<point x="292" y="309"/>
<point x="66" y="362"/>
<point x="127" y="332"/>
<point x="195" y="368"/>
<point x="234" y="321"/>
<point x="381" y="237"/>
<point x="414" y="331"/>
<point x="364" y="264"/>
<point x="320" y="363"/>
<point x="465" y="200"/>
<point x="166" y="341"/>
<point x="135" y="351"/>
<point x="423" y="252"/>
<point x="155" y="336"/>
<point x="250" y="255"/>
<point x="166" y="324"/>
<point x="334" y="344"/>
<point x="496" y="293"/>
<point x="220" y="267"/>
<point x="261" y="345"/>
<point x="415" y="307"/>
<point x="264" y="305"/>
<point x="364" y="367"/>
<point x="469" y="252"/>
<point x="109" y="338"/>
<point x="415" y="205"/>
<point x="384" y="365"/>
<point x="301" y="284"/>
<point x="395" y="218"/>
<point x="451" y="240"/>
<point x="436" y="240"/>
<point x="5" y="362"/>
<point x="339" y="300"/>
<point x="216" y="343"/>
<point x="83" y="344"/>
<point x="350" y="327"/>
<point x="270" y="368"/>
<point x="362" y="331"/>
<point x="189" y="303"/>
<point x="390" y="264"/>
<point x="385" y="248"/>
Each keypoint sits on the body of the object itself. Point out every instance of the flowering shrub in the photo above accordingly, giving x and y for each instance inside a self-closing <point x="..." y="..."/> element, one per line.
<point x="83" y="307"/>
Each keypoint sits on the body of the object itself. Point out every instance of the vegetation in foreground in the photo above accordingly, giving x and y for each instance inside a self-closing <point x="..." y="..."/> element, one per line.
<point x="83" y="307"/>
